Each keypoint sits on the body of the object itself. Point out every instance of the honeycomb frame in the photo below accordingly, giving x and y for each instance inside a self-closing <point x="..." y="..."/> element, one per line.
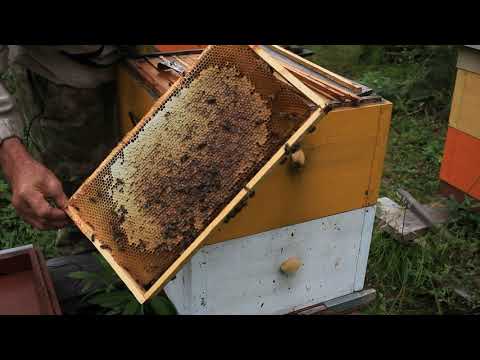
<point x="141" y="292"/>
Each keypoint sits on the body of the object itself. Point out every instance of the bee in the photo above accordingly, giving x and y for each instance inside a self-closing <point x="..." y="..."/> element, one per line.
<point x="294" y="148"/>
<point x="201" y="145"/>
<point x="90" y="225"/>
<point x="184" y="158"/>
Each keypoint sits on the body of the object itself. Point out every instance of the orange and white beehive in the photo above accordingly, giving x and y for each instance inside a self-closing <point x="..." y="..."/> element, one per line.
<point x="255" y="104"/>
<point x="460" y="170"/>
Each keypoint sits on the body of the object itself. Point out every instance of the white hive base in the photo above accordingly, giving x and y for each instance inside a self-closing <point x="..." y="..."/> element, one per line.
<point x="242" y="276"/>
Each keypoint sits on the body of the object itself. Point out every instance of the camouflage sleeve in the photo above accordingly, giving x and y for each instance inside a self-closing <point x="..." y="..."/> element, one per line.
<point x="3" y="58"/>
<point x="11" y="123"/>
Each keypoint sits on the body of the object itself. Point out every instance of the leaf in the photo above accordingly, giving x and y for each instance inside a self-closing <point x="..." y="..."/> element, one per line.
<point x="132" y="308"/>
<point x="82" y="275"/>
<point x="161" y="306"/>
<point x="111" y="300"/>
<point x="87" y="286"/>
<point x="115" y="311"/>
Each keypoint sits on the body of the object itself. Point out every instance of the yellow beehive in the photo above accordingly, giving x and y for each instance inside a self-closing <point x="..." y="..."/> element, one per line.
<point x="344" y="160"/>
<point x="193" y="161"/>
<point x="464" y="114"/>
<point x="459" y="173"/>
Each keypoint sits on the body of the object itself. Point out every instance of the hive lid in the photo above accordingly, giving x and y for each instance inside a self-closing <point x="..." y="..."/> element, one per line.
<point x="192" y="162"/>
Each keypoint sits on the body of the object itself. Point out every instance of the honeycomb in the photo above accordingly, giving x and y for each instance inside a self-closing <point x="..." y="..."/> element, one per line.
<point x="188" y="158"/>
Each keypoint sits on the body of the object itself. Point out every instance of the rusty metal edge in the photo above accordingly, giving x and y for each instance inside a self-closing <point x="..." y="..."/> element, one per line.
<point x="342" y="305"/>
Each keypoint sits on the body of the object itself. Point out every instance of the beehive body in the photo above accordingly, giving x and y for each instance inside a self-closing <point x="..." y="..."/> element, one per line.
<point x="187" y="159"/>
<point x="460" y="164"/>
<point x="344" y="162"/>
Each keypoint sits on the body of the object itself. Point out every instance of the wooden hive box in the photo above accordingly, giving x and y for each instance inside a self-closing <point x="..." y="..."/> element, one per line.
<point x="193" y="161"/>
<point x="344" y="157"/>
<point x="460" y="170"/>
<point x="25" y="284"/>
<point x="335" y="193"/>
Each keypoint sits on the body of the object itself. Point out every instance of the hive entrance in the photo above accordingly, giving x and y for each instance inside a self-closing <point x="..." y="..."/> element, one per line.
<point x="187" y="160"/>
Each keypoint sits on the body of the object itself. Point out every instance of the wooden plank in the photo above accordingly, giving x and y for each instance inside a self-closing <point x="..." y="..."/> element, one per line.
<point x="318" y="69"/>
<point x="49" y="284"/>
<point x="402" y="223"/>
<point x="336" y="91"/>
<point x="350" y="303"/>
<point x="316" y="90"/>
<point x="320" y="92"/>
<point x="425" y="216"/>
<point x="178" y="47"/>
<point x="181" y="61"/>
<point x="343" y="305"/>
<point x="41" y="286"/>
<point x="319" y="87"/>
<point x="189" y="60"/>
<point x="318" y="100"/>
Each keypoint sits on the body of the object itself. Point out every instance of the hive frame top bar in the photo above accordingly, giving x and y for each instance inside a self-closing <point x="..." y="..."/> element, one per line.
<point x="138" y="291"/>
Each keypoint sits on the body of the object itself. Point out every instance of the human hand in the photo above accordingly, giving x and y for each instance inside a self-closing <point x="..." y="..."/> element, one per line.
<point x="33" y="185"/>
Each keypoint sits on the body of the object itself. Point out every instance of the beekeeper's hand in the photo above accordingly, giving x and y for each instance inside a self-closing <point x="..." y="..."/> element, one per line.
<point x="33" y="185"/>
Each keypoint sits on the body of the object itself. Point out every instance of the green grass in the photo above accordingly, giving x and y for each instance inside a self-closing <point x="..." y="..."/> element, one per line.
<point x="13" y="231"/>
<point x="433" y="276"/>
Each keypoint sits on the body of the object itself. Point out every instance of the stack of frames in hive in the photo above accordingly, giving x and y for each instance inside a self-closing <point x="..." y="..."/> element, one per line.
<point x="192" y="162"/>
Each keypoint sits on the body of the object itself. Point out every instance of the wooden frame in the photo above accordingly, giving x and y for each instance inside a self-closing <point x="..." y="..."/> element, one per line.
<point x="45" y="298"/>
<point x="318" y="69"/>
<point x="140" y="294"/>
